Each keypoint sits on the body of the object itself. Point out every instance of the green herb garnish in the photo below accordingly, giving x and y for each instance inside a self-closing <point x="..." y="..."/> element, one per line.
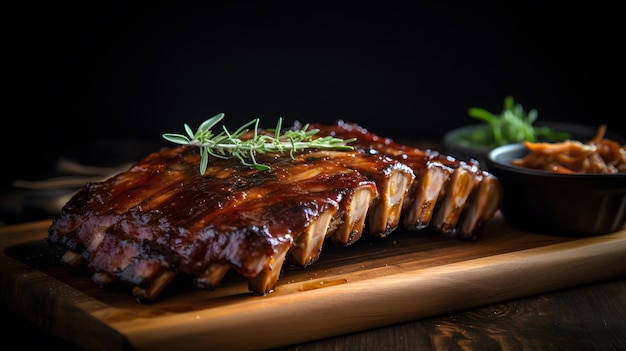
<point x="513" y="125"/>
<point x="227" y="144"/>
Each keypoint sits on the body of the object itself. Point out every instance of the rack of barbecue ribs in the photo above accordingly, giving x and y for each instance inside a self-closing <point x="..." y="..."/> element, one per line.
<point x="162" y="217"/>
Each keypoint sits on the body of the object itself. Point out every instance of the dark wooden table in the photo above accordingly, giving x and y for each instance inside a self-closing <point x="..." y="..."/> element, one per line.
<point x="587" y="317"/>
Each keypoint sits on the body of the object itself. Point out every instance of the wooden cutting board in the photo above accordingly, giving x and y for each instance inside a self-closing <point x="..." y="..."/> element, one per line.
<point x="373" y="283"/>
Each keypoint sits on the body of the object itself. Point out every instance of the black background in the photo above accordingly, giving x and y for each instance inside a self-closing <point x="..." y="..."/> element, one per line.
<point x="101" y="81"/>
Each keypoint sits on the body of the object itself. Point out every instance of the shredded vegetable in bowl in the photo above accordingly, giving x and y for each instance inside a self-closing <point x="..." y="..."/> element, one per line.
<point x="599" y="155"/>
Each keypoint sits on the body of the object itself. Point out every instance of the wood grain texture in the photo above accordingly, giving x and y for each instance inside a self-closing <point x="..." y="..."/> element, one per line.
<point x="373" y="283"/>
<point x="588" y="317"/>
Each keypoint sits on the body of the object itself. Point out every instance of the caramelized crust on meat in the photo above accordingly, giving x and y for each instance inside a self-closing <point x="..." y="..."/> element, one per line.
<point x="161" y="217"/>
<point x="448" y="195"/>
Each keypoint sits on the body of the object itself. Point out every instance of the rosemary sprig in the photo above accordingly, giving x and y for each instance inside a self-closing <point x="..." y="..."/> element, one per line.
<point x="227" y="144"/>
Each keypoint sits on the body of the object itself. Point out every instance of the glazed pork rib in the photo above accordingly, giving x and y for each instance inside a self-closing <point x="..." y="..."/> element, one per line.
<point x="449" y="195"/>
<point x="162" y="217"/>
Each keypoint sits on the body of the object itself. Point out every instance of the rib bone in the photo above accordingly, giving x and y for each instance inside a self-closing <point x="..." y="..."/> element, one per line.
<point x="441" y="189"/>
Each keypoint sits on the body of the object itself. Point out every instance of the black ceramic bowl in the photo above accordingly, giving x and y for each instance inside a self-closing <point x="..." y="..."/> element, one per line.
<point x="554" y="203"/>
